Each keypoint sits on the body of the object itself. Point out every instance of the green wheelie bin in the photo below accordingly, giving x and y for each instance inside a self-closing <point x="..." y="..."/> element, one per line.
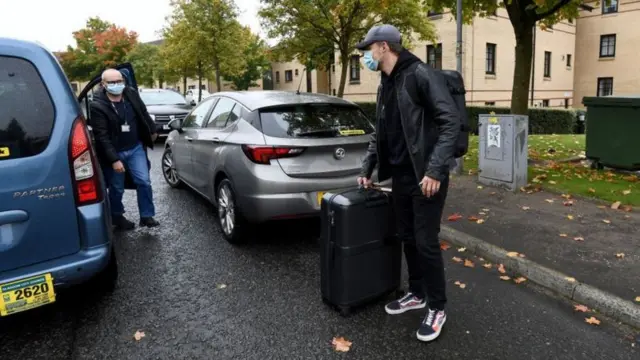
<point x="613" y="131"/>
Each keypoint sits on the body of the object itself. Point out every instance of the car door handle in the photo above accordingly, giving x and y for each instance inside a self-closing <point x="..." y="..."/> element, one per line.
<point x="13" y="216"/>
<point x="188" y="138"/>
<point x="216" y="139"/>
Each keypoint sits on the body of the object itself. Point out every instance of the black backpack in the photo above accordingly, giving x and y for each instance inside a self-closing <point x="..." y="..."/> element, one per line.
<point x="456" y="89"/>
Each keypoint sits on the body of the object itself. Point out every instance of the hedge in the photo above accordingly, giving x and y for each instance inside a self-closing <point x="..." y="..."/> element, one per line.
<point x="541" y="120"/>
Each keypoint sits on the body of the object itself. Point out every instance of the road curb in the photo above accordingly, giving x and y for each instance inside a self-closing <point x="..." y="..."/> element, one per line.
<point x="605" y="302"/>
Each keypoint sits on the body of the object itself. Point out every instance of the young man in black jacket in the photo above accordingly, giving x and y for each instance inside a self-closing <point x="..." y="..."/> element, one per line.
<point x="414" y="145"/>
<point x="123" y="130"/>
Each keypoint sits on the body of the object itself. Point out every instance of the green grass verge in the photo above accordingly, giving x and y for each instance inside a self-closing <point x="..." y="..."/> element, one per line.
<point x="569" y="178"/>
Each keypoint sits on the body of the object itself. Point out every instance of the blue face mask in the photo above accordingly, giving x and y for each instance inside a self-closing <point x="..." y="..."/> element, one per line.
<point x="115" y="89"/>
<point x="369" y="61"/>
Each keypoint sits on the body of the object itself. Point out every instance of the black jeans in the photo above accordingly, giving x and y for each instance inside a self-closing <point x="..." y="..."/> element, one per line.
<point x="418" y="224"/>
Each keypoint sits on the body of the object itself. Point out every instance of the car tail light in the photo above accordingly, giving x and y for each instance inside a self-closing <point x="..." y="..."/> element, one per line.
<point x="84" y="169"/>
<point x="261" y="154"/>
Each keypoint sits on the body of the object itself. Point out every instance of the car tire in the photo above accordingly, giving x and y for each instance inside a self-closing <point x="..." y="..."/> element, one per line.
<point x="232" y="224"/>
<point x="169" y="170"/>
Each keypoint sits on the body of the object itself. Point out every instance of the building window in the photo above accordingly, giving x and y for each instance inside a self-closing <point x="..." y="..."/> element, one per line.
<point x="490" y="103"/>
<point x="288" y="75"/>
<point x="434" y="56"/>
<point x="608" y="45"/>
<point x="566" y="103"/>
<point x="611" y="7"/>
<point x="568" y="60"/>
<point x="605" y="86"/>
<point x="545" y="103"/>
<point x="277" y="77"/>
<point x="547" y="64"/>
<point x="490" y="66"/>
<point x="296" y="72"/>
<point x="354" y="68"/>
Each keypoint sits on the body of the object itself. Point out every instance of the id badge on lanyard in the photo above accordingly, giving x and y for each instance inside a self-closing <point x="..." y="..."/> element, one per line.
<point x="125" y="128"/>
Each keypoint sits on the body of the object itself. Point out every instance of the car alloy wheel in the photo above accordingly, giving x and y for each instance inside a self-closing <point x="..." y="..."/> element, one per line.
<point x="226" y="210"/>
<point x="169" y="169"/>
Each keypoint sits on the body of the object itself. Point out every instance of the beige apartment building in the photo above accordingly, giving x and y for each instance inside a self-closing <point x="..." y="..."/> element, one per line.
<point x="607" y="43"/>
<point x="292" y="75"/>
<point x="488" y="62"/>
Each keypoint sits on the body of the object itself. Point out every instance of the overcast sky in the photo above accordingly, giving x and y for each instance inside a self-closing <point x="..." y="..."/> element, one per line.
<point x="51" y="22"/>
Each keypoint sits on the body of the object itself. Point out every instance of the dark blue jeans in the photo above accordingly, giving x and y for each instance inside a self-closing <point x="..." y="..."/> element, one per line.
<point x="135" y="162"/>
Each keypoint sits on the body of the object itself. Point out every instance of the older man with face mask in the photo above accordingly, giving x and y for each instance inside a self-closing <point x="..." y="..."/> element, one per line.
<point x="123" y="130"/>
<point x="417" y="126"/>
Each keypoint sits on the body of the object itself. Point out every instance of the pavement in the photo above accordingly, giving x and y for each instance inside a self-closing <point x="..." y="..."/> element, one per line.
<point x="171" y="288"/>
<point x="579" y="238"/>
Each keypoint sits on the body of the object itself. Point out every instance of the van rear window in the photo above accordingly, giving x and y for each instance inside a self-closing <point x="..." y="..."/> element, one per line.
<point x="315" y="121"/>
<point x="26" y="111"/>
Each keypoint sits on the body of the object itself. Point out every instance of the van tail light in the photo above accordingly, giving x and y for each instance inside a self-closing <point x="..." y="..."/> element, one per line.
<point x="261" y="154"/>
<point x="84" y="166"/>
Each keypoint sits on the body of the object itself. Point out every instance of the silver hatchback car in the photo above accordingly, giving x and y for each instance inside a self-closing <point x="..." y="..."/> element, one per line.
<point x="266" y="155"/>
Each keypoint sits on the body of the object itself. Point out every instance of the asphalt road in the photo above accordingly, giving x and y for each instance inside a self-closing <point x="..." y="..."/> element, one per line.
<point x="271" y="306"/>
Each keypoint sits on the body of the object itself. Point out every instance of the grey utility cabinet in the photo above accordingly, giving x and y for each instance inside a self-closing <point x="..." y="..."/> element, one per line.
<point x="503" y="150"/>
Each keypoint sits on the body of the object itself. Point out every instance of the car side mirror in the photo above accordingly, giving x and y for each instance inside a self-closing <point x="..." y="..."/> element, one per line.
<point x="176" y="124"/>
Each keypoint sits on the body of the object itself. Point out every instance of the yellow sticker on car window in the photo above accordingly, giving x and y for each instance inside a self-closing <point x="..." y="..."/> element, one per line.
<point x="352" y="132"/>
<point x="4" y="152"/>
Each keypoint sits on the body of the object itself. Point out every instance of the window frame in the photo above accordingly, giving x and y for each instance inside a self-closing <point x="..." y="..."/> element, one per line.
<point x="354" y="68"/>
<point x="609" y="9"/>
<point x="598" y="83"/>
<point x="288" y="76"/>
<point x="609" y="46"/>
<point x="490" y="64"/>
<point x="546" y="72"/>
<point x="437" y="54"/>
<point x="213" y="101"/>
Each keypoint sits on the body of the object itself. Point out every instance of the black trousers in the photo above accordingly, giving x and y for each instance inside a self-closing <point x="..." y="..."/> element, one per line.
<point x="418" y="224"/>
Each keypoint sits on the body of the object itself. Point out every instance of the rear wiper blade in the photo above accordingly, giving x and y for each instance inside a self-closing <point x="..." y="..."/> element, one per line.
<point x="317" y="132"/>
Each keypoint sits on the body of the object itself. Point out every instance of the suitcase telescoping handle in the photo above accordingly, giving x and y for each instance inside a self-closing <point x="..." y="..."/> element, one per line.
<point x="372" y="198"/>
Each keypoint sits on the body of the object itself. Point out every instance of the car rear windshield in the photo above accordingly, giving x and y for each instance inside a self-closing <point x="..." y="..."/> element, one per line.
<point x="315" y="121"/>
<point x="26" y="111"/>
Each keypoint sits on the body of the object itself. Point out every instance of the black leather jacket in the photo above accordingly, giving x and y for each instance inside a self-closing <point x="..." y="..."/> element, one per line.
<point x="431" y="129"/>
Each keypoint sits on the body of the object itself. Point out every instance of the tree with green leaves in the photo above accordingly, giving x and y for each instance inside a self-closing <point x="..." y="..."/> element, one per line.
<point x="99" y="45"/>
<point x="145" y="61"/>
<point x="255" y="59"/>
<point x="524" y="16"/>
<point x="215" y="22"/>
<point x="185" y="52"/>
<point x="310" y="30"/>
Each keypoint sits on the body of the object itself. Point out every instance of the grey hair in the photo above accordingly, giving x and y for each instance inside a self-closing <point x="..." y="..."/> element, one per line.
<point x="102" y="77"/>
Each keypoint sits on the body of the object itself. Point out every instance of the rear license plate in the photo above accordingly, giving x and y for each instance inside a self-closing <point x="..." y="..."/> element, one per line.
<point x="165" y="127"/>
<point x="26" y="294"/>
<point x="319" y="196"/>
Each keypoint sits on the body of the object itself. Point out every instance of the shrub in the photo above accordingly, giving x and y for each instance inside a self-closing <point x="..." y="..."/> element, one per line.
<point x="541" y="120"/>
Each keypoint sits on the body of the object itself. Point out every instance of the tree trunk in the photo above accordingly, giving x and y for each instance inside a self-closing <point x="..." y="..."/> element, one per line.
<point x="199" y="82"/>
<point x="522" y="72"/>
<point x="344" y="62"/>
<point x="184" y="85"/>
<point x="160" y="82"/>
<point x="218" y="77"/>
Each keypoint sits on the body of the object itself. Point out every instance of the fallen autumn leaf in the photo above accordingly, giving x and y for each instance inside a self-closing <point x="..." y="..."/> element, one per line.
<point x="570" y="217"/>
<point x="341" y="344"/>
<point x="462" y="249"/>
<point x="501" y="269"/>
<point x="620" y="255"/>
<point x="570" y="279"/>
<point x="550" y="201"/>
<point x="520" y="280"/>
<point x="525" y="208"/>
<point x="592" y="321"/>
<point x="444" y="246"/>
<point x="473" y="218"/>
<point x="616" y="205"/>
<point x="626" y="192"/>
<point x="606" y="221"/>
<point x="637" y="298"/>
<point x="138" y="335"/>
<point x="567" y="203"/>
<point x="512" y="254"/>
<point x="456" y="259"/>
<point x="487" y="265"/>
<point x="221" y="286"/>
<point x="563" y="235"/>
<point x="480" y="221"/>
<point x="578" y="238"/>
<point x="505" y="278"/>
<point x="469" y="263"/>
<point x="454" y="217"/>
<point x="581" y="308"/>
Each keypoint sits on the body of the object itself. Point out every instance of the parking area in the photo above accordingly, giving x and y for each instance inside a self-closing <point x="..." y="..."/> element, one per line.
<point x="197" y="297"/>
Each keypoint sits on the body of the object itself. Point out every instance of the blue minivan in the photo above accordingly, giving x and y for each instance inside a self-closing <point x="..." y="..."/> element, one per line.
<point x="55" y="228"/>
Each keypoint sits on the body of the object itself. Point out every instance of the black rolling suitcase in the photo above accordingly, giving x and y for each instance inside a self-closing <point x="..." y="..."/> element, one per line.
<point x="361" y="258"/>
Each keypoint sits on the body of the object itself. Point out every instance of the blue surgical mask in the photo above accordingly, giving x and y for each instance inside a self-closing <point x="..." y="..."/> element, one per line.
<point x="369" y="61"/>
<point x="115" y="89"/>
